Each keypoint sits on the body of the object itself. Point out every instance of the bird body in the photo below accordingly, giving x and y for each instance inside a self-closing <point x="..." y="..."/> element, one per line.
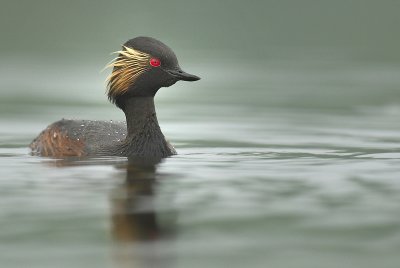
<point x="77" y="137"/>
<point x="141" y="69"/>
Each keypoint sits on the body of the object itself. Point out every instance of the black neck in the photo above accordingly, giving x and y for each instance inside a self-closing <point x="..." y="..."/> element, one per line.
<point x="144" y="136"/>
<point x="139" y="113"/>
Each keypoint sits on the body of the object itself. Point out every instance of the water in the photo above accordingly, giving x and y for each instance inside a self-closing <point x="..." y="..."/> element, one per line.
<point x="293" y="165"/>
<point x="289" y="146"/>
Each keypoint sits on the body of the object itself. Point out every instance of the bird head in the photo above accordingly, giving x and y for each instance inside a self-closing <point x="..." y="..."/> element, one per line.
<point x="142" y="67"/>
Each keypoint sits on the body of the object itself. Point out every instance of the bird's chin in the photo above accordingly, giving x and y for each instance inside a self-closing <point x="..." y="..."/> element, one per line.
<point x="170" y="82"/>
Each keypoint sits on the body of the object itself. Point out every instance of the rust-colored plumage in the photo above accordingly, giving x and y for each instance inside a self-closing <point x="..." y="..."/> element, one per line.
<point x="127" y="67"/>
<point x="56" y="143"/>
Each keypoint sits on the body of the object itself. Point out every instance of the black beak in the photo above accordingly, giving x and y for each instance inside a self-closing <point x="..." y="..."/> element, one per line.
<point x="181" y="75"/>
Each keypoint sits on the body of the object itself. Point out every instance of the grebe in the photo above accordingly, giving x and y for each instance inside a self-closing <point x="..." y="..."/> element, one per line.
<point x="143" y="66"/>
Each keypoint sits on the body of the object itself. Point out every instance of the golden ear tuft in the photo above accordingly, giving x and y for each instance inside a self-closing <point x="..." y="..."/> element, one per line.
<point x="127" y="67"/>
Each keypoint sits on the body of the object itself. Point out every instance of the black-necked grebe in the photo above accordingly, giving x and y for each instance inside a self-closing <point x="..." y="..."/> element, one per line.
<point x="143" y="66"/>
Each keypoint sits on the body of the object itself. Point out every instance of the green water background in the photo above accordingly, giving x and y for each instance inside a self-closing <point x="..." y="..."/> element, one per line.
<point x="289" y="145"/>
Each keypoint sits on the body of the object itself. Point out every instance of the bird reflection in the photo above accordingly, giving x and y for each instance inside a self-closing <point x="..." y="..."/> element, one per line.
<point x="135" y="225"/>
<point x="133" y="216"/>
<point x="139" y="237"/>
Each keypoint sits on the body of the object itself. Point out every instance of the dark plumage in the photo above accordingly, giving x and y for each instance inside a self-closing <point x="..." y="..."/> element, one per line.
<point x="143" y="66"/>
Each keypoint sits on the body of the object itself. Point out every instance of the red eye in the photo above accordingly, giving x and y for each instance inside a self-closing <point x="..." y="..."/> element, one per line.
<point x="155" y="62"/>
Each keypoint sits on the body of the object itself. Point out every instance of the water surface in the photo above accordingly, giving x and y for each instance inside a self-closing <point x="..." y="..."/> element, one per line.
<point x="294" y="164"/>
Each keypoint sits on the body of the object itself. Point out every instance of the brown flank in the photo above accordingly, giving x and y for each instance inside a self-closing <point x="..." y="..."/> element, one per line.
<point x="53" y="142"/>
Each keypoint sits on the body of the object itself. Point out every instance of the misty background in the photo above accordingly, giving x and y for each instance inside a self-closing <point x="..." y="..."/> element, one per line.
<point x="288" y="145"/>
